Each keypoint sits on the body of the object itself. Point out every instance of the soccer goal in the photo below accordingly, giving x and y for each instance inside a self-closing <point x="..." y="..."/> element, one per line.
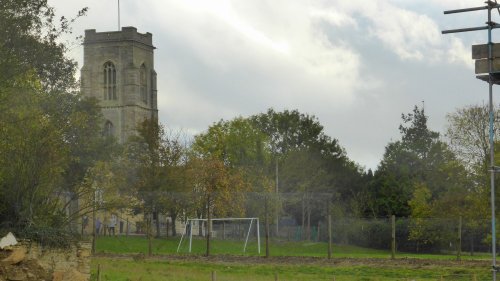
<point x="225" y="228"/>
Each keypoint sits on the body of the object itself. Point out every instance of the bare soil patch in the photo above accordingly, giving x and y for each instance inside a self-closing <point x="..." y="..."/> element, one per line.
<point x="313" y="261"/>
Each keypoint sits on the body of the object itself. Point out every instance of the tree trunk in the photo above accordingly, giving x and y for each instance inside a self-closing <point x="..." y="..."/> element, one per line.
<point x="200" y="225"/>
<point x="158" y="230"/>
<point x="266" y="226"/>
<point x="150" y="244"/>
<point x="308" y="220"/>
<point x="302" y="236"/>
<point x="472" y="244"/>
<point x="167" y="227"/>
<point x="209" y="225"/>
<point x="329" y="232"/>
<point x="173" y="216"/>
<point x="94" y="233"/>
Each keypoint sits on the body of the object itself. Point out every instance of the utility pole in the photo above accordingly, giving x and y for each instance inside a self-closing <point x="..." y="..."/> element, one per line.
<point x="492" y="77"/>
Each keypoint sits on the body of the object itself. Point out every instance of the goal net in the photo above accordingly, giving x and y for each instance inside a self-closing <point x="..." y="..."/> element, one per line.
<point x="222" y="229"/>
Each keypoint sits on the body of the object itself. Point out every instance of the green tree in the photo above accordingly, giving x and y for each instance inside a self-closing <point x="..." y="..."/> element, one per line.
<point x="468" y="134"/>
<point x="294" y="135"/>
<point x="421" y="211"/>
<point x="46" y="154"/>
<point x="420" y="157"/>
<point x="50" y="135"/>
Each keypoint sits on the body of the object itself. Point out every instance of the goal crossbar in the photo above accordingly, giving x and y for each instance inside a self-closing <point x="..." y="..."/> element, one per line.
<point x="188" y="223"/>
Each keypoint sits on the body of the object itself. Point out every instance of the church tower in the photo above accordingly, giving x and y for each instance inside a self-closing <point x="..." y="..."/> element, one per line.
<point x="118" y="70"/>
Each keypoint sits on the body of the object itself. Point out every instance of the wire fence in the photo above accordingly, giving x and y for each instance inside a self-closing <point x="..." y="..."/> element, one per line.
<point x="306" y="219"/>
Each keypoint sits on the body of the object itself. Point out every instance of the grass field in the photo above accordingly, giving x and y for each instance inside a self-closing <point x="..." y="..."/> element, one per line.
<point x="138" y="244"/>
<point x="119" y="260"/>
<point x="165" y="270"/>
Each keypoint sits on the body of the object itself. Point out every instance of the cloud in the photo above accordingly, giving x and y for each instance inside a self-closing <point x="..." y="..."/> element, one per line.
<point x="411" y="35"/>
<point x="357" y="65"/>
<point x="229" y="37"/>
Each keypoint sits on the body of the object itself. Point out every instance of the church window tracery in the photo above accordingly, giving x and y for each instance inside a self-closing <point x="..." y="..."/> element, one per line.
<point x="109" y="81"/>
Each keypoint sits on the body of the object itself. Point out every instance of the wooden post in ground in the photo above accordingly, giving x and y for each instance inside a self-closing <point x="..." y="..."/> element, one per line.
<point x="99" y="272"/>
<point x="276" y="277"/>
<point x="459" y="239"/>
<point x="474" y="277"/>
<point x="393" y="237"/>
<point x="214" y="276"/>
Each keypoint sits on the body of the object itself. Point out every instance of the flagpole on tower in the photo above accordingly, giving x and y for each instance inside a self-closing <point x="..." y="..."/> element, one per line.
<point x="119" y="26"/>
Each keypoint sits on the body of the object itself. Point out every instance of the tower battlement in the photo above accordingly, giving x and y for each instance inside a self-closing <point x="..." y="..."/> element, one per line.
<point x="118" y="70"/>
<point x="128" y="33"/>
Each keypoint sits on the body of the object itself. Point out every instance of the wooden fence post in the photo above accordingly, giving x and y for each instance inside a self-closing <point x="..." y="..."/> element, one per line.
<point x="393" y="237"/>
<point x="214" y="276"/>
<point x="276" y="277"/>
<point x="99" y="272"/>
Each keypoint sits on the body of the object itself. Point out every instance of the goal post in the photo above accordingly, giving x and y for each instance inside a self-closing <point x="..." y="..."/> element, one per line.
<point x="188" y="230"/>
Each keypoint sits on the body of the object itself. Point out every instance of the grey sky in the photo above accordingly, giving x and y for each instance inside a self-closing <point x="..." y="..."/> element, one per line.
<point x="356" y="65"/>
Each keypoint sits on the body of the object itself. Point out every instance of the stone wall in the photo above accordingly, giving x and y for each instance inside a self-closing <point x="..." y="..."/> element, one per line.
<point x="77" y="257"/>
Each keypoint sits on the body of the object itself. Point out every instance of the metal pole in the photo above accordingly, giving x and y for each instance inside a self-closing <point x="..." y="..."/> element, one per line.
<point x="490" y="26"/>
<point x="492" y="149"/>
<point x="182" y="236"/>
<point x="119" y="25"/>
<point x="248" y="235"/>
<point x="469" y="9"/>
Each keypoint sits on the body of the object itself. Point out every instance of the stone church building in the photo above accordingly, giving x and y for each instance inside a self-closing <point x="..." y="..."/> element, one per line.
<point x="118" y="70"/>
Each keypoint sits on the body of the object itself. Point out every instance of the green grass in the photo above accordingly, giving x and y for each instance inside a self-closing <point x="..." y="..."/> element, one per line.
<point x="365" y="269"/>
<point x="135" y="244"/>
<point x="159" y="270"/>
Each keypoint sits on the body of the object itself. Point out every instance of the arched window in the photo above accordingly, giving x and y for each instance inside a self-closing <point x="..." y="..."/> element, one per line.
<point x="109" y="81"/>
<point x="109" y="129"/>
<point x="143" y="84"/>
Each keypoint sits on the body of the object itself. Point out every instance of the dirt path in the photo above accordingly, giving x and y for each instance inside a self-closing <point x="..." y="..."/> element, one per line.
<point x="313" y="261"/>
